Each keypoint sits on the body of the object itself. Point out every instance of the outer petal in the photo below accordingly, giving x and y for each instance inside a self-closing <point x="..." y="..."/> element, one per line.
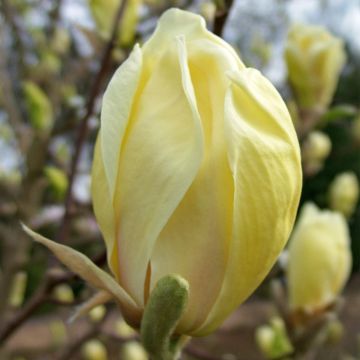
<point x="193" y="243"/>
<point x="160" y="157"/>
<point x="314" y="281"/>
<point x="115" y="114"/>
<point x="117" y="103"/>
<point x="175" y="22"/>
<point x="103" y="207"/>
<point x="265" y="162"/>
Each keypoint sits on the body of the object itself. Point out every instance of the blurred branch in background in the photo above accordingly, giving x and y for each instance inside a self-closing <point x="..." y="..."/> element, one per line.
<point x="223" y="8"/>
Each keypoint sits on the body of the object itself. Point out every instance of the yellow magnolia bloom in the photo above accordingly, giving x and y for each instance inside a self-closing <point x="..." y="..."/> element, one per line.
<point x="314" y="60"/>
<point x="196" y="172"/>
<point x="319" y="259"/>
<point x="344" y="193"/>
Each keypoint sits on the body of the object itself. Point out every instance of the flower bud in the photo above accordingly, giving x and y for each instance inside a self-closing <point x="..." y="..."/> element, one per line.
<point x="58" y="332"/>
<point x="314" y="61"/>
<point x="123" y="329"/>
<point x="315" y="149"/>
<point x="38" y="106"/>
<point x="192" y="172"/>
<point x="104" y="11"/>
<point x="264" y="337"/>
<point x="273" y="340"/>
<point x="58" y="181"/>
<point x="132" y="350"/>
<point x="64" y="293"/>
<point x="97" y="313"/>
<point x="94" y="350"/>
<point x="61" y="41"/>
<point x="344" y="193"/>
<point x="208" y="10"/>
<point x="319" y="259"/>
<point x="18" y="288"/>
<point x="334" y="332"/>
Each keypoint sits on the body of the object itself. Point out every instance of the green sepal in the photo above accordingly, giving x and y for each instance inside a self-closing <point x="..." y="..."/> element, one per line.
<point x="165" y="306"/>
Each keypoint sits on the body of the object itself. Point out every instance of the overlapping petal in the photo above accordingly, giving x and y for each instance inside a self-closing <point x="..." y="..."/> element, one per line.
<point x="103" y="207"/>
<point x="194" y="242"/>
<point x="265" y="163"/>
<point x="175" y="22"/>
<point x="160" y="156"/>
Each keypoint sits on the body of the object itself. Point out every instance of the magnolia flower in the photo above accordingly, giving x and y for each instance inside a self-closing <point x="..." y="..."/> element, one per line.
<point x="196" y="172"/>
<point x="344" y="193"/>
<point x="314" y="60"/>
<point x="319" y="259"/>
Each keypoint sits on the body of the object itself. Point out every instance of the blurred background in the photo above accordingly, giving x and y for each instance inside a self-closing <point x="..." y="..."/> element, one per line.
<point x="56" y="58"/>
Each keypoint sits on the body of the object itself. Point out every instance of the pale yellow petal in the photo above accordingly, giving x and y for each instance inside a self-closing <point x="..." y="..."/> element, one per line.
<point x="117" y="103"/>
<point x="87" y="270"/>
<point x="175" y="22"/>
<point x="160" y="157"/>
<point x="103" y="207"/>
<point x="202" y="222"/>
<point x="265" y="163"/>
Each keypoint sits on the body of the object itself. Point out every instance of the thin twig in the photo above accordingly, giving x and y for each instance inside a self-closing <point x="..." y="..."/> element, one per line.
<point x="221" y="17"/>
<point x="75" y="346"/>
<point x="10" y="16"/>
<point x="83" y="128"/>
<point x="54" y="17"/>
<point x="41" y="296"/>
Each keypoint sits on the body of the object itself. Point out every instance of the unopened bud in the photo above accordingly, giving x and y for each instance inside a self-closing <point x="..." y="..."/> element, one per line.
<point x="315" y="149"/>
<point x="278" y="324"/>
<point x="94" y="350"/>
<point x="38" y="106"/>
<point x="208" y="10"/>
<point x="64" y="293"/>
<point x="264" y="337"/>
<point x="133" y="351"/>
<point x="344" y="193"/>
<point x="18" y="288"/>
<point x="58" y="332"/>
<point x="97" y="313"/>
<point x="335" y="331"/>
<point x="58" y="181"/>
<point x="123" y="329"/>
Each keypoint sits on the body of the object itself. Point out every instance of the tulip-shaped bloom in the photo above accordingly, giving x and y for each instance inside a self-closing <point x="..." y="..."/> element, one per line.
<point x="196" y="172"/>
<point x="314" y="60"/>
<point x="344" y="193"/>
<point x="319" y="260"/>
